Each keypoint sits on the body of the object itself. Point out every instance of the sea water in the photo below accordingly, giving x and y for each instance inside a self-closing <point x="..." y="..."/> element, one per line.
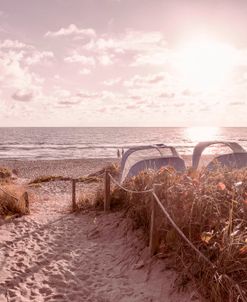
<point x="74" y="143"/>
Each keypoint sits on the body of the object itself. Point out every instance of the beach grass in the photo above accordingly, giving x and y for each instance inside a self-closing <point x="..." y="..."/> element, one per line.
<point x="211" y="210"/>
<point x="13" y="201"/>
<point x="13" y="198"/>
<point x="5" y="174"/>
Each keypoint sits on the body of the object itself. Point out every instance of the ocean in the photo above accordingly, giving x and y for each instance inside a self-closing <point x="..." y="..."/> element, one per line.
<point x="75" y="143"/>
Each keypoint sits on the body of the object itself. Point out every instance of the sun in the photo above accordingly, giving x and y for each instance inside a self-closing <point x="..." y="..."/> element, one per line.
<point x="205" y="64"/>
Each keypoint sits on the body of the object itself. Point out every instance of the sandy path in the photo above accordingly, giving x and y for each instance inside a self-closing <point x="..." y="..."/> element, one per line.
<point x="52" y="255"/>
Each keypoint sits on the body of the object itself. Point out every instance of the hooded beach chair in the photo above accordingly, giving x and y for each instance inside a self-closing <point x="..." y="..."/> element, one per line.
<point x="235" y="160"/>
<point x="140" y="158"/>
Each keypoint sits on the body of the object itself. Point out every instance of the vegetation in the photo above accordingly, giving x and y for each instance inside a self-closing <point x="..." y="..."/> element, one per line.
<point x="5" y="174"/>
<point x="13" y="198"/>
<point x="49" y="178"/>
<point x="211" y="210"/>
<point x="13" y="201"/>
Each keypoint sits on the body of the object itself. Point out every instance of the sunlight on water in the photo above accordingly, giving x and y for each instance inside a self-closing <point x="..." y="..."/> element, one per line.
<point x="199" y="134"/>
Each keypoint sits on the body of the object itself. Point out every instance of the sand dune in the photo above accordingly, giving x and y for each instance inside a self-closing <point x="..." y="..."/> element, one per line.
<point x="53" y="255"/>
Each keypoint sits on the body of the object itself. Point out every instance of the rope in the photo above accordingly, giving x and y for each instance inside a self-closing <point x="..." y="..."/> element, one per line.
<point x="180" y="232"/>
<point x="168" y="217"/>
<point x="127" y="190"/>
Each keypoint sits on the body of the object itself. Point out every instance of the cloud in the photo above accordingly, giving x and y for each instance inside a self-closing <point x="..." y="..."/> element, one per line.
<point x="167" y="95"/>
<point x="131" y="106"/>
<point x="14" y="44"/>
<point x="106" y="59"/>
<point x="39" y="56"/>
<point x="179" y="104"/>
<point x="72" y="30"/>
<point x="154" y="57"/>
<point x="140" y="81"/>
<point x="78" y="58"/>
<point x="127" y="41"/>
<point x="15" y="72"/>
<point x="12" y="73"/>
<point x="112" y="82"/>
<point x="85" y="71"/>
<point x="237" y="103"/>
<point x="131" y="47"/>
<point x="68" y="102"/>
<point x="23" y="96"/>
<point x="87" y="94"/>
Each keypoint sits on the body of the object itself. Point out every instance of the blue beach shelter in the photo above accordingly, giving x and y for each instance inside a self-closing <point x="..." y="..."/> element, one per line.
<point x="236" y="159"/>
<point x="140" y="158"/>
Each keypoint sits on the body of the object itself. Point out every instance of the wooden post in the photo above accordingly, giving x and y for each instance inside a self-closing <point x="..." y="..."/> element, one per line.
<point x="25" y="196"/>
<point x="107" y="193"/>
<point x="73" y="194"/>
<point x="154" y="234"/>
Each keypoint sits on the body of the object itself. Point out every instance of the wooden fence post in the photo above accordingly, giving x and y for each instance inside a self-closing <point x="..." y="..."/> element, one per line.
<point x="73" y="194"/>
<point x="107" y="192"/>
<point x="26" y="199"/>
<point x="154" y="232"/>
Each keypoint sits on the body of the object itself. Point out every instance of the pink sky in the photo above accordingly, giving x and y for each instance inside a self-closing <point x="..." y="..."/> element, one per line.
<point x="111" y="63"/>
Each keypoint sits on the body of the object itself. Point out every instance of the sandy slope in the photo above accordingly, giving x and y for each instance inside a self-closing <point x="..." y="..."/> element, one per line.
<point x="52" y="255"/>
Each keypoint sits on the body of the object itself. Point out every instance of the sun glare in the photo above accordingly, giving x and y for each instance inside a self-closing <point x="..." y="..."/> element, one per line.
<point x="196" y="134"/>
<point x="206" y="64"/>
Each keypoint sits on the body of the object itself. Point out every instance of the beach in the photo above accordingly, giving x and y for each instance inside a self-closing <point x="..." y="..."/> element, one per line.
<point x="55" y="255"/>
<point x="68" y="167"/>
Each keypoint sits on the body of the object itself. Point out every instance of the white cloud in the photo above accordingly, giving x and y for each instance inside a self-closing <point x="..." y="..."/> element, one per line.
<point x="13" y="74"/>
<point x="85" y="71"/>
<point x="158" y="57"/>
<point x="14" y="44"/>
<point x="130" y="40"/>
<point x="72" y="30"/>
<point x="78" y="58"/>
<point x="87" y="94"/>
<point x="39" y="56"/>
<point x="105" y="59"/>
<point x="112" y="82"/>
<point x="131" y="47"/>
<point x="17" y="78"/>
<point x="142" y="81"/>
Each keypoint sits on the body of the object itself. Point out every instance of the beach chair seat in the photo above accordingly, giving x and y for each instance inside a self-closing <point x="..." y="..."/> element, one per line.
<point x="156" y="163"/>
<point x="148" y="156"/>
<point x="232" y="160"/>
<point x="237" y="159"/>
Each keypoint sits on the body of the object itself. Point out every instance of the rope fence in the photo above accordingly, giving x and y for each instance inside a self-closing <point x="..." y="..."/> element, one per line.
<point x="127" y="190"/>
<point x="156" y="205"/>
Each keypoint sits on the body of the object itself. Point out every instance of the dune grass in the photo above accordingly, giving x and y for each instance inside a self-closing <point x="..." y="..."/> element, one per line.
<point x="211" y="210"/>
<point x="5" y="175"/>
<point x="13" y="201"/>
<point x="13" y="198"/>
<point x="49" y="178"/>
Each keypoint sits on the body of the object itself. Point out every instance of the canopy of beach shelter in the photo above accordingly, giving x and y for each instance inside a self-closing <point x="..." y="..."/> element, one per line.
<point x="200" y="147"/>
<point x="138" y="153"/>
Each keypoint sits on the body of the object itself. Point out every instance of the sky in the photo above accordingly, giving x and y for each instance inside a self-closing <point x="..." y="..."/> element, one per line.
<point x="123" y="63"/>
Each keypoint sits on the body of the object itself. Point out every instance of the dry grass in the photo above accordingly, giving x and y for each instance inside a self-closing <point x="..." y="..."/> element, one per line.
<point x="13" y="201"/>
<point x="112" y="168"/>
<point x="48" y="178"/>
<point x="94" y="198"/>
<point x="5" y="175"/>
<point x="13" y="198"/>
<point x="211" y="210"/>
